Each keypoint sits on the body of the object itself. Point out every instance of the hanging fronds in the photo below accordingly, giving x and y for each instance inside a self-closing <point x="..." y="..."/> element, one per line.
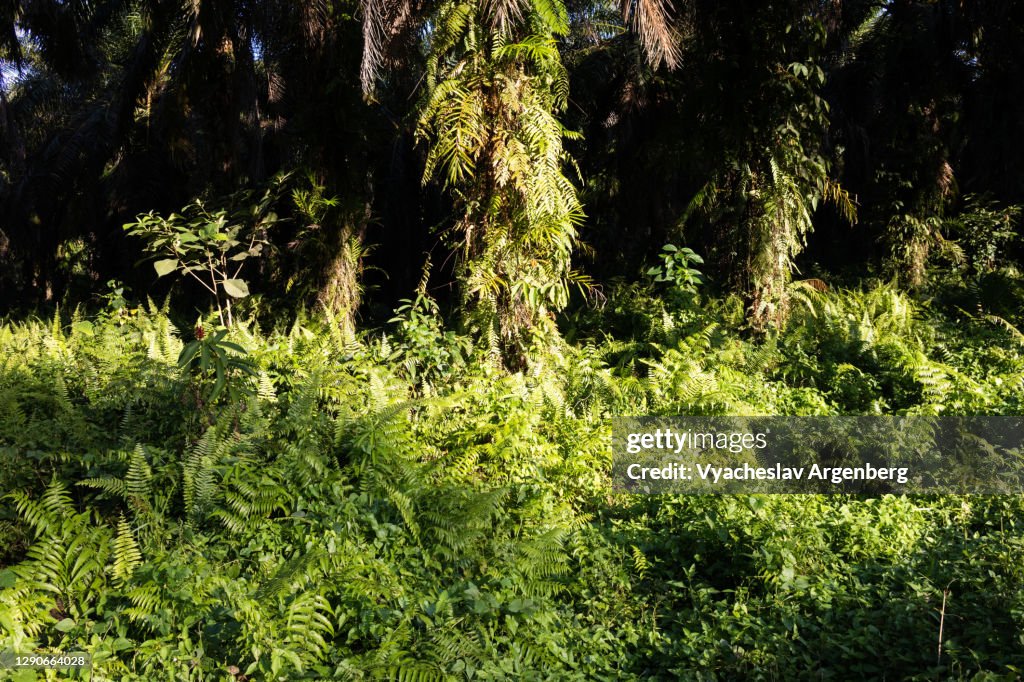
<point x="382" y="21"/>
<point x="489" y="117"/>
<point x="652" y="21"/>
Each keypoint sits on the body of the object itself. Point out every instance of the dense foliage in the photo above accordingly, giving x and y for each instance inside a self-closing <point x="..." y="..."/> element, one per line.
<point x="433" y="246"/>
<point x="297" y="504"/>
<point x="516" y="149"/>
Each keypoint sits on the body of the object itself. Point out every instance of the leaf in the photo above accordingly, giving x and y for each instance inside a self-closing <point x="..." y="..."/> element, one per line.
<point x="165" y="266"/>
<point x="236" y="288"/>
<point x="219" y="384"/>
<point x="187" y="353"/>
<point x="65" y="625"/>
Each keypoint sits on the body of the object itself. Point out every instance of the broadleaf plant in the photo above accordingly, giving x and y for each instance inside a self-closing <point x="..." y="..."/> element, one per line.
<point x="211" y="356"/>
<point x="210" y="245"/>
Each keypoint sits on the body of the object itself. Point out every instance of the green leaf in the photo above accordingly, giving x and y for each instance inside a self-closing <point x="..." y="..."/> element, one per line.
<point x="219" y="384"/>
<point x="187" y="353"/>
<point x="165" y="266"/>
<point x="236" y="288"/>
<point x="7" y="579"/>
<point x="65" y="625"/>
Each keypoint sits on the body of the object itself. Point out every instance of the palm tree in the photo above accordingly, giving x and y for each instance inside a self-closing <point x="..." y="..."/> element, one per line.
<point x="494" y="84"/>
<point x="128" y="107"/>
<point x="728" y="152"/>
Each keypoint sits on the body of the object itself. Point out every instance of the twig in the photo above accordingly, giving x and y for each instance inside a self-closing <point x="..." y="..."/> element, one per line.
<point x="942" y="623"/>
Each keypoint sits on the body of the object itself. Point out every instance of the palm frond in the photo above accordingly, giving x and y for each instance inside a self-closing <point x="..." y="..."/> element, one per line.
<point x="651" y="20"/>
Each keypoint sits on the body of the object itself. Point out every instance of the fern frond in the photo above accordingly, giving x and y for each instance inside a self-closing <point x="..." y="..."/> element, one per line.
<point x="126" y="553"/>
<point x="45" y="514"/>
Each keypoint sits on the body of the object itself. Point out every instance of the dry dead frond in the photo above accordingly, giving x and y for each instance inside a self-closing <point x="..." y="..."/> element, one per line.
<point x="652" y="22"/>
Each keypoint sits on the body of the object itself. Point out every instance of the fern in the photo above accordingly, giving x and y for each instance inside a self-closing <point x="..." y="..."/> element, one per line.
<point x="202" y="468"/>
<point x="1014" y="333"/>
<point x="67" y="559"/>
<point x="136" y="486"/>
<point x="147" y="599"/>
<point x="492" y="95"/>
<point x="126" y="553"/>
<point x="248" y="496"/>
<point x="46" y="514"/>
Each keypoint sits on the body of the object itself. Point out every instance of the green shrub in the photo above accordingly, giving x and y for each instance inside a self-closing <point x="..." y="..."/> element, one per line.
<point x="399" y="507"/>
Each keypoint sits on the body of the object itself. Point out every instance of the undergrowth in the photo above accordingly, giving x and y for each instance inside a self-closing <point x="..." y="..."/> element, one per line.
<point x="399" y="507"/>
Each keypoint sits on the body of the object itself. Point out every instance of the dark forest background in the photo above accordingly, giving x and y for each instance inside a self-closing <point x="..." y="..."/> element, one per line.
<point x="847" y="139"/>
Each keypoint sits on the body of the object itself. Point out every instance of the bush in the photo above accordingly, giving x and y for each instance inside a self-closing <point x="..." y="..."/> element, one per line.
<point x="385" y="508"/>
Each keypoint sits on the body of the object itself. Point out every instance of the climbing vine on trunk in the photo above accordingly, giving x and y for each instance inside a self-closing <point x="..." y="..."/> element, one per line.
<point x="495" y="85"/>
